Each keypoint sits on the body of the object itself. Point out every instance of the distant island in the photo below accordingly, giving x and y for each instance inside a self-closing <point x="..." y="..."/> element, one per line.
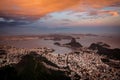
<point x="73" y="44"/>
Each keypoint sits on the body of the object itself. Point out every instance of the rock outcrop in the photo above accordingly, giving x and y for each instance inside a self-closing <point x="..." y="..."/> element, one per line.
<point x="74" y="44"/>
<point x="103" y="49"/>
<point x="57" y="43"/>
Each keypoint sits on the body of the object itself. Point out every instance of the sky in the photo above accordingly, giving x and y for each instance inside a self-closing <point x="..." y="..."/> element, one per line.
<point x="59" y="16"/>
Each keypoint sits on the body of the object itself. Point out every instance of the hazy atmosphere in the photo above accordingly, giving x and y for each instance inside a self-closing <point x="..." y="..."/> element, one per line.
<point x="43" y="16"/>
<point x="59" y="39"/>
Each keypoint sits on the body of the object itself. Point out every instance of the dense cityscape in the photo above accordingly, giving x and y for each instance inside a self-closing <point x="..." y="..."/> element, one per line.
<point x="81" y="64"/>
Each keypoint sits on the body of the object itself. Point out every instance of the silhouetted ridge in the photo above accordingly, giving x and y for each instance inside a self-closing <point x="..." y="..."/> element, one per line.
<point x="8" y="73"/>
<point x="103" y="49"/>
<point x="31" y="68"/>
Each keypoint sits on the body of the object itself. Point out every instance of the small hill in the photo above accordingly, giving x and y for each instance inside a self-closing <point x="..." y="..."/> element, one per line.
<point x="73" y="44"/>
<point x="103" y="49"/>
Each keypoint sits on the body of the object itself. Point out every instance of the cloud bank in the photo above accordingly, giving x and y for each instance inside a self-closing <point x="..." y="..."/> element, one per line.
<point x="38" y="8"/>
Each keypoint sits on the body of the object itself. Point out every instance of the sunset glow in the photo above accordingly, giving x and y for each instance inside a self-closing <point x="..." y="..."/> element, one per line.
<point x="60" y="13"/>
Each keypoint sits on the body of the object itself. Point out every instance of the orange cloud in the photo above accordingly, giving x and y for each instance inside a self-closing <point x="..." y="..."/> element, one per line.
<point x="38" y="8"/>
<point x="100" y="3"/>
<point x="35" y="7"/>
<point x="113" y="13"/>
